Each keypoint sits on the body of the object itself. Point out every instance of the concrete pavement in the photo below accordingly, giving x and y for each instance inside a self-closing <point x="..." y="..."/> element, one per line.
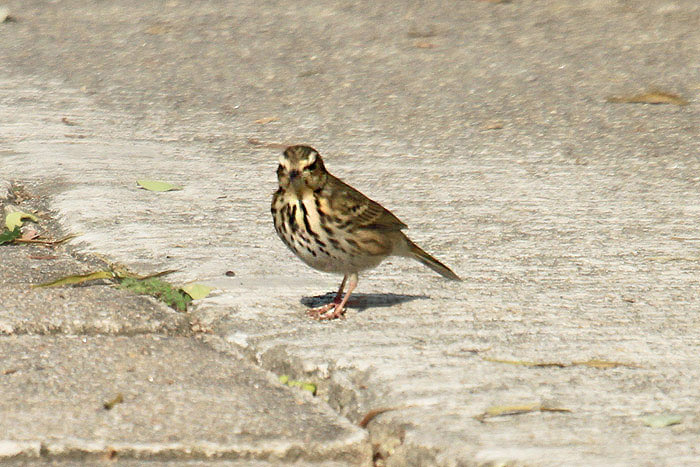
<point x="484" y="126"/>
<point x="67" y="353"/>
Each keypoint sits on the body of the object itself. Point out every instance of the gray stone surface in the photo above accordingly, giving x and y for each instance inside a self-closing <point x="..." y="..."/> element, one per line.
<point x="94" y="308"/>
<point x="86" y="311"/>
<point x="574" y="225"/>
<point x="181" y="399"/>
<point x="64" y="352"/>
<point x="179" y="462"/>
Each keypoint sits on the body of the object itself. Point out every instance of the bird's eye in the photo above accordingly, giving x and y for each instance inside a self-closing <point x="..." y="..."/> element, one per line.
<point x="312" y="166"/>
<point x="280" y="169"/>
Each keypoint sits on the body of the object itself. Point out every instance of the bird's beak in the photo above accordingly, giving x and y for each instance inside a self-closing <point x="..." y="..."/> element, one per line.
<point x="297" y="180"/>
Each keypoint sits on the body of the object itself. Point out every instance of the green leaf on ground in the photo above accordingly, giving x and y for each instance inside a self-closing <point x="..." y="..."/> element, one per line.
<point x="159" y="289"/>
<point x="196" y="291"/>
<point x="154" y="185"/>
<point x="142" y="285"/>
<point x="660" y="421"/>
<point x="78" y="279"/>
<point x="304" y="385"/>
<point x="9" y="236"/>
<point x="14" y="219"/>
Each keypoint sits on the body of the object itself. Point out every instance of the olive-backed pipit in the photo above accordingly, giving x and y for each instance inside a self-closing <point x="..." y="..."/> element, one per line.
<point x="333" y="227"/>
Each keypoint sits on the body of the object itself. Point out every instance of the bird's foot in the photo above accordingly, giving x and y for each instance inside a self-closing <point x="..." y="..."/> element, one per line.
<point x="314" y="312"/>
<point x="338" y="303"/>
<point x="318" y="313"/>
<point x="324" y="313"/>
<point x="322" y="309"/>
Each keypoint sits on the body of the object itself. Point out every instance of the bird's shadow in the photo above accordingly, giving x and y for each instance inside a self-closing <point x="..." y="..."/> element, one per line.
<point x="362" y="301"/>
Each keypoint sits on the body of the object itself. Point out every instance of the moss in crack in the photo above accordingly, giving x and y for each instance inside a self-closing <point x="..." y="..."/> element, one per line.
<point x="159" y="289"/>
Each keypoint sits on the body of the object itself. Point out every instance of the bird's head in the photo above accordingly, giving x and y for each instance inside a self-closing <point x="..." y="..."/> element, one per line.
<point x="301" y="167"/>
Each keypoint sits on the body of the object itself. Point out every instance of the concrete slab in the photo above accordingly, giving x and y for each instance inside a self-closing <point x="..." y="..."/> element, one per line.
<point x="74" y="311"/>
<point x="96" y="307"/>
<point x="183" y="462"/>
<point x="181" y="400"/>
<point x="484" y="126"/>
<point x="52" y="411"/>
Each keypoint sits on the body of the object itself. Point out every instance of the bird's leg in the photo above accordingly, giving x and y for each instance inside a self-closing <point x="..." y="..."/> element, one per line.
<point x="339" y="309"/>
<point x="317" y="312"/>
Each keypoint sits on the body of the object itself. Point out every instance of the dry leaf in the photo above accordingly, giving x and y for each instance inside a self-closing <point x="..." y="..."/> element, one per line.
<point x="414" y="33"/>
<point x="48" y="242"/>
<point x="312" y="72"/>
<point x="506" y="410"/>
<point x="603" y="364"/>
<point x="16" y="219"/>
<point x="118" y="399"/>
<point x="263" y="121"/>
<point x="651" y="97"/>
<point x="369" y="416"/>
<point x="155" y="185"/>
<point x="492" y="125"/>
<point x="131" y="275"/>
<point x="661" y="421"/>
<point x="196" y="291"/>
<point x="42" y="257"/>
<point x="592" y="363"/>
<point x="425" y="45"/>
<point x="77" y="279"/>
<point x="526" y="363"/>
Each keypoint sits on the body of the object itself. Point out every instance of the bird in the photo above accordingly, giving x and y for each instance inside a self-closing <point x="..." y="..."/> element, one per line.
<point x="332" y="227"/>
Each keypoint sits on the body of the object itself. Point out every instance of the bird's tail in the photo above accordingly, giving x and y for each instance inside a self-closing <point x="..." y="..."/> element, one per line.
<point x="418" y="254"/>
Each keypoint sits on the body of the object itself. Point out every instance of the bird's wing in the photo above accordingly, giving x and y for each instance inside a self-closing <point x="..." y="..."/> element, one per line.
<point x="353" y="206"/>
